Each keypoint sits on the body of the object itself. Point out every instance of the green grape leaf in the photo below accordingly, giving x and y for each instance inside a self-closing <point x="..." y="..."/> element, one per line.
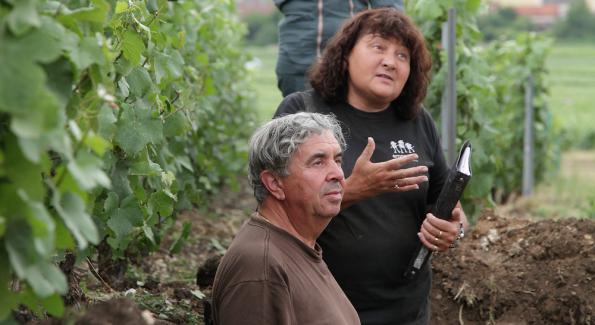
<point x="87" y="170"/>
<point x="98" y="144"/>
<point x="106" y="122"/>
<point x="23" y="173"/>
<point x="97" y="13"/>
<point x="125" y="218"/>
<point x="121" y="6"/>
<point x="168" y="65"/>
<point x="149" y="233"/>
<point x="136" y="128"/>
<point x="23" y="16"/>
<point x="120" y="225"/>
<point x="42" y="225"/>
<point x="63" y="237"/>
<point x="161" y="203"/>
<point x="138" y="188"/>
<point x="132" y="47"/>
<point x="86" y="53"/>
<point x="54" y="305"/>
<point x="130" y="209"/>
<point x="111" y="203"/>
<point x="176" y="124"/>
<point x="428" y="9"/>
<point x="72" y="210"/>
<point x="59" y="80"/>
<point x="8" y="299"/>
<point x="139" y="82"/>
<point x="145" y="168"/>
<point x="180" y="238"/>
<point x="20" y="81"/>
<point x="123" y="87"/>
<point x="43" y="115"/>
<point x="152" y="6"/>
<point x="46" y="279"/>
<point x="2" y="226"/>
<point x="21" y="252"/>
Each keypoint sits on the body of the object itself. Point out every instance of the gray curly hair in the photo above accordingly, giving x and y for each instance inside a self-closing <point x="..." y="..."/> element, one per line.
<point x="273" y="145"/>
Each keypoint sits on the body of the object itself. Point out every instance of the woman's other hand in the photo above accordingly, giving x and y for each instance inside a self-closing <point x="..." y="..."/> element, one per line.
<point x="439" y="234"/>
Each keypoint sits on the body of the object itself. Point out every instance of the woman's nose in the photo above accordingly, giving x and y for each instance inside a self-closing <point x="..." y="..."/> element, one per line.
<point x="388" y="63"/>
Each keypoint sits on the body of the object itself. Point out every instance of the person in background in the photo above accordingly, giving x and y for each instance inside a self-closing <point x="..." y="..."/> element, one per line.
<point x="304" y="31"/>
<point x="373" y="77"/>
<point x="273" y="272"/>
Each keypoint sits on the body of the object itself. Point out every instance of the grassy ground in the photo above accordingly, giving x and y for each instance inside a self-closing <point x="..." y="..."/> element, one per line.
<point x="571" y="99"/>
<point x="264" y="81"/>
<point x="572" y="85"/>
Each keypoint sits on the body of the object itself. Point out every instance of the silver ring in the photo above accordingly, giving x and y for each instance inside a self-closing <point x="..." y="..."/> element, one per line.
<point x="396" y="185"/>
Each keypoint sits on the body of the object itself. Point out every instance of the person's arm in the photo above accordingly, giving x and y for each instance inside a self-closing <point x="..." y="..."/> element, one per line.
<point x="255" y="303"/>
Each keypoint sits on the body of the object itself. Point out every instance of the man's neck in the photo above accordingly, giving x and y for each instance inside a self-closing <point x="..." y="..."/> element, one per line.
<point x="304" y="228"/>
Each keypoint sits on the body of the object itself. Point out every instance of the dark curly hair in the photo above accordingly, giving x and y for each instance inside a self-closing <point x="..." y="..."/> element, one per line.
<point x="330" y="75"/>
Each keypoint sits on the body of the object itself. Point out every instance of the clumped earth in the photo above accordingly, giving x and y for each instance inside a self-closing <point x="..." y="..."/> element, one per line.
<point x="515" y="270"/>
<point x="509" y="269"/>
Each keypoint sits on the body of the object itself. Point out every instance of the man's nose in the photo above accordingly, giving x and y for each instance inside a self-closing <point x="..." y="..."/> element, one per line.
<point x="336" y="172"/>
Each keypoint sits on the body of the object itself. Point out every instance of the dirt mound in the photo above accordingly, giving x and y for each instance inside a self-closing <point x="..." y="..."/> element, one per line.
<point x="517" y="271"/>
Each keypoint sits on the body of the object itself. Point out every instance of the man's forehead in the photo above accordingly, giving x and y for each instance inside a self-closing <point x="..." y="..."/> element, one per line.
<point x="319" y="142"/>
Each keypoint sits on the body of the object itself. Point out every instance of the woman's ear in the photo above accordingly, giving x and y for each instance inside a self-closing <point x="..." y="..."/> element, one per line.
<point x="273" y="183"/>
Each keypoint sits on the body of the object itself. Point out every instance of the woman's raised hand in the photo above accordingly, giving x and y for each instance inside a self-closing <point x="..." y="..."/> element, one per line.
<point x="369" y="179"/>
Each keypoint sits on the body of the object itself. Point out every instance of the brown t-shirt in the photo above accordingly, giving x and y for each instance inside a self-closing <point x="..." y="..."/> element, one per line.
<point x="268" y="276"/>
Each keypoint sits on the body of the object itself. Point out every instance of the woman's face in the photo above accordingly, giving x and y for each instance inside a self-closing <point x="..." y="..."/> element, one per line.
<point x="378" y="70"/>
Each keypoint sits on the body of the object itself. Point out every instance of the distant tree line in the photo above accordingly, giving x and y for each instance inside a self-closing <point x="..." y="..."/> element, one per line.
<point x="578" y="25"/>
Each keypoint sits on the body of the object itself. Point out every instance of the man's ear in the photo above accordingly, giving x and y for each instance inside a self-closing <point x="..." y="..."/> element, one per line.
<point x="273" y="183"/>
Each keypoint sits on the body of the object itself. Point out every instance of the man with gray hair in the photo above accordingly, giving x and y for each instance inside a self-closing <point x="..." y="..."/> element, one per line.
<point x="273" y="272"/>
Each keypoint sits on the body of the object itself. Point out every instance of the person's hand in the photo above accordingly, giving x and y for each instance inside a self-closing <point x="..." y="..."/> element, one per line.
<point x="439" y="234"/>
<point x="369" y="179"/>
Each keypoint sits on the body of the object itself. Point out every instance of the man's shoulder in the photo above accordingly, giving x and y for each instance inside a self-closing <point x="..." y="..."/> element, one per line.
<point x="254" y="254"/>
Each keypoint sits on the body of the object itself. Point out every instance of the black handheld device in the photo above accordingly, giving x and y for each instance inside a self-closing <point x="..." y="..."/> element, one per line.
<point x="451" y="193"/>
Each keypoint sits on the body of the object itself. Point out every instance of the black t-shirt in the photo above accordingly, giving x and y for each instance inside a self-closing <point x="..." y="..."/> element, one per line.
<point x="369" y="245"/>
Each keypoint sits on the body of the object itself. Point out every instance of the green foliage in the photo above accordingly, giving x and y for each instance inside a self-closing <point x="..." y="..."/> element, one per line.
<point x="262" y="28"/>
<point x="490" y="99"/>
<point x="502" y="24"/>
<point x="114" y="114"/>
<point x="579" y="23"/>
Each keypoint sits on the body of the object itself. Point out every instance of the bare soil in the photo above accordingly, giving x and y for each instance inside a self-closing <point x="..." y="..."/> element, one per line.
<point x="516" y="270"/>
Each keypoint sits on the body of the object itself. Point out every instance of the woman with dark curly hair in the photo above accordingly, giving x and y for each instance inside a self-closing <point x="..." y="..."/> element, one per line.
<point x="373" y="77"/>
